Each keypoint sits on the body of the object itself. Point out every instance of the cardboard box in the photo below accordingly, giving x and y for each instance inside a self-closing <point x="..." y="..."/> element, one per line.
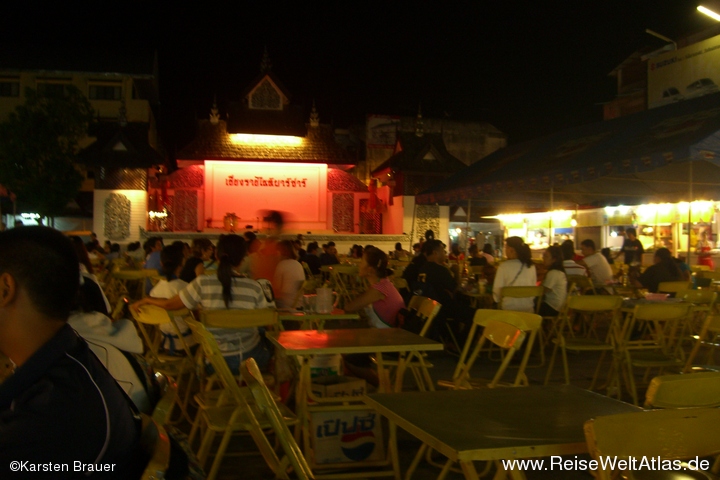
<point x="347" y="436"/>
<point x="338" y="386"/>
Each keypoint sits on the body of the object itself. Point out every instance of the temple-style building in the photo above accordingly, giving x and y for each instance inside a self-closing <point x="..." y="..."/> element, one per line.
<point x="263" y="156"/>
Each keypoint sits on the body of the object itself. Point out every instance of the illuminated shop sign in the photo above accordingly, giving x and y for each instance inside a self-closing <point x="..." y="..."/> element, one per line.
<point x="249" y="188"/>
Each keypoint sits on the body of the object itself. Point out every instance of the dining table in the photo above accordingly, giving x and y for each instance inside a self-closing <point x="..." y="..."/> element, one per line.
<point x="305" y="344"/>
<point x="496" y="424"/>
<point x="310" y="320"/>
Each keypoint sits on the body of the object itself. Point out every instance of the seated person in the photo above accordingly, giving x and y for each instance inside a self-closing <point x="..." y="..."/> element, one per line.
<point x="569" y="263"/>
<point x="455" y="253"/>
<point x="289" y="277"/>
<point x="202" y="252"/>
<point x="228" y="289"/>
<point x="311" y="258"/>
<point x="664" y="269"/>
<point x="153" y="246"/>
<point x="555" y="283"/>
<point x="476" y="258"/>
<point x="171" y="265"/>
<point x="400" y="253"/>
<point x="329" y="257"/>
<point x="685" y="270"/>
<point x="89" y="284"/>
<point x="438" y="283"/>
<point x="382" y="301"/>
<point x="61" y="405"/>
<point x="114" y="344"/>
<point x="605" y="252"/>
<point x="598" y="267"/>
<point x="517" y="271"/>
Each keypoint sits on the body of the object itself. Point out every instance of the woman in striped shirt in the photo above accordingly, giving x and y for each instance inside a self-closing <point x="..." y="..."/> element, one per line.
<point x="228" y="289"/>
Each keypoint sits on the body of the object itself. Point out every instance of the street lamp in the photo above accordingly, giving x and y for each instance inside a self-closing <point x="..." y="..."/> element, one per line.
<point x="710" y="13"/>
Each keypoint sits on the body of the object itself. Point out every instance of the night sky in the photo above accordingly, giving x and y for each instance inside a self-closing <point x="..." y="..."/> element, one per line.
<point x="529" y="68"/>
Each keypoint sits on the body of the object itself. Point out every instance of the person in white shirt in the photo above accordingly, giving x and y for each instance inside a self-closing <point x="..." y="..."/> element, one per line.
<point x="171" y="259"/>
<point x="555" y="283"/>
<point x="600" y="270"/>
<point x="517" y="271"/>
<point x="289" y="277"/>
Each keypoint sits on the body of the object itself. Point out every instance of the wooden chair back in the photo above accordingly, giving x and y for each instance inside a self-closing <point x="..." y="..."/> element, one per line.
<point x="684" y="391"/>
<point x="673" y="287"/>
<point x="709" y="274"/>
<point x="266" y="404"/>
<point x="498" y="332"/>
<point x="211" y="352"/>
<point x="662" y="319"/>
<point x="149" y="318"/>
<point x="529" y="323"/>
<point x="674" y="434"/>
<point x="154" y="441"/>
<point x="416" y="301"/>
<point x="524" y="292"/>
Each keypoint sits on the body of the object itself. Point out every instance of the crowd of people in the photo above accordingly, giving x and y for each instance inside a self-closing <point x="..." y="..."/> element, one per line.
<point x="75" y="375"/>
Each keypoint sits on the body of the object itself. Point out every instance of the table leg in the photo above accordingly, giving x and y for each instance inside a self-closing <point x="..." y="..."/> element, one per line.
<point x="301" y="400"/>
<point x="416" y="461"/>
<point x="384" y="385"/>
<point x="393" y="449"/>
<point x="469" y="471"/>
<point x="400" y="372"/>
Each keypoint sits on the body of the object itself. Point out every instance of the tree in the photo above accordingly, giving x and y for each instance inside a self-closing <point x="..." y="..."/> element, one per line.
<point x="38" y="148"/>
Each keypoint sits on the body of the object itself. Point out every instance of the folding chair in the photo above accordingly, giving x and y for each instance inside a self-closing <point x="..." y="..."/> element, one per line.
<point x="675" y="434"/>
<point x="673" y="287"/>
<point x="267" y="406"/>
<point x="703" y="304"/>
<point x="501" y="333"/>
<point x="537" y="293"/>
<point x="345" y="282"/>
<point x="417" y="362"/>
<point x="148" y="319"/>
<point x="659" y="347"/>
<point x="566" y="339"/>
<point x="155" y="443"/>
<point x="708" y="336"/>
<point x="684" y="391"/>
<point x="234" y="416"/>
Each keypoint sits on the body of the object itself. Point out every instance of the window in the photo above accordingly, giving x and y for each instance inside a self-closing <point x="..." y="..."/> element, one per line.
<point x="105" y="92"/>
<point x="9" y="88"/>
<point x="52" y="87"/>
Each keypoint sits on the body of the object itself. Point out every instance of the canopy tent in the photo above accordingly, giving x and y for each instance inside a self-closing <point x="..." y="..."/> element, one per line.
<point x="667" y="154"/>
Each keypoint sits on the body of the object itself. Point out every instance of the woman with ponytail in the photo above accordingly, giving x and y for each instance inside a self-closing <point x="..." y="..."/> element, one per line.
<point x="227" y="290"/>
<point x="382" y="301"/>
<point x="517" y="271"/>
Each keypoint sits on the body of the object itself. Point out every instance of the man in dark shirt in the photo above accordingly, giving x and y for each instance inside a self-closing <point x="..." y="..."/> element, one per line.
<point x="632" y="248"/>
<point x="311" y="258"/>
<point x="329" y="257"/>
<point x="61" y="411"/>
<point x="440" y="283"/>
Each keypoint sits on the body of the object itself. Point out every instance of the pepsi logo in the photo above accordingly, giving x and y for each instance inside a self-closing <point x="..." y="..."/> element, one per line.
<point x="358" y="446"/>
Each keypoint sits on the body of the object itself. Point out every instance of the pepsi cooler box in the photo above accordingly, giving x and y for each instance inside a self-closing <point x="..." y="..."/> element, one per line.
<point x="338" y="386"/>
<point x="347" y="436"/>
